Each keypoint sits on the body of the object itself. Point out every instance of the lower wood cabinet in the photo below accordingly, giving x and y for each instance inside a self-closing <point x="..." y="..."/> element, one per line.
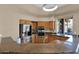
<point x="47" y="39"/>
<point x="62" y="38"/>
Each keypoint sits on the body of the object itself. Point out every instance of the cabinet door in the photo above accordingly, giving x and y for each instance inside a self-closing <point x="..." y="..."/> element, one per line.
<point x="52" y="25"/>
<point x="41" y="23"/>
<point x="44" y="23"/>
<point x="51" y="38"/>
<point x="34" y="25"/>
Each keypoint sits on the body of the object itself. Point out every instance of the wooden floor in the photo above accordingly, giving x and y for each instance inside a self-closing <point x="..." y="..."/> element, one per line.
<point x="52" y="47"/>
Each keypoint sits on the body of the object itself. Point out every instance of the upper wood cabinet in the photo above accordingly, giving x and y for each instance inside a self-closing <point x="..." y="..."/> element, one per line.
<point x="34" y="24"/>
<point x="52" y="25"/>
<point x="44" y="23"/>
<point x="25" y="21"/>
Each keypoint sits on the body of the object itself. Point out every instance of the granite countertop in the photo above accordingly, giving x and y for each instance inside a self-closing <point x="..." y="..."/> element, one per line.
<point x="60" y="35"/>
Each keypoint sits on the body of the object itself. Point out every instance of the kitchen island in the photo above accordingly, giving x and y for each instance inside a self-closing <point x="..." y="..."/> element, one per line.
<point x="48" y="38"/>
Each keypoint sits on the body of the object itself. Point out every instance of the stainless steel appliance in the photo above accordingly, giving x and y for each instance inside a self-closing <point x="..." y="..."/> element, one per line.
<point x="25" y="33"/>
<point x="40" y="31"/>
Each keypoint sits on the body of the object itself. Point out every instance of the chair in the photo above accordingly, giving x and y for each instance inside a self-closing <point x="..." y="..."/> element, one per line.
<point x="77" y="49"/>
<point x="8" y="44"/>
<point x="76" y="44"/>
<point x="7" y="40"/>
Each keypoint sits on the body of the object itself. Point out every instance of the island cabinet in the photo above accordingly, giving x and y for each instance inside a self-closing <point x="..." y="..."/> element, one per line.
<point x="37" y="39"/>
<point x="62" y="38"/>
<point x="55" y="37"/>
<point x="51" y="38"/>
<point x="48" y="39"/>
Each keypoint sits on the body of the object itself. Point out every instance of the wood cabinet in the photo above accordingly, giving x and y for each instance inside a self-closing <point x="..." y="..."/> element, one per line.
<point x="47" y="39"/>
<point x="38" y="39"/>
<point x="51" y="38"/>
<point x="52" y="25"/>
<point x="44" y="23"/>
<point x="25" y="21"/>
<point x="33" y="38"/>
<point x="34" y="25"/>
<point x="48" y="25"/>
<point x="55" y="37"/>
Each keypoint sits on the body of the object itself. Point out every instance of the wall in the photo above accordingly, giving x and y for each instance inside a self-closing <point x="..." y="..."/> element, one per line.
<point x="76" y="23"/>
<point x="9" y="23"/>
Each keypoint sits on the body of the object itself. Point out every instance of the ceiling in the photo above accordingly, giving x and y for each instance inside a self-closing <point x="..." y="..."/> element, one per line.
<point x="36" y="9"/>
